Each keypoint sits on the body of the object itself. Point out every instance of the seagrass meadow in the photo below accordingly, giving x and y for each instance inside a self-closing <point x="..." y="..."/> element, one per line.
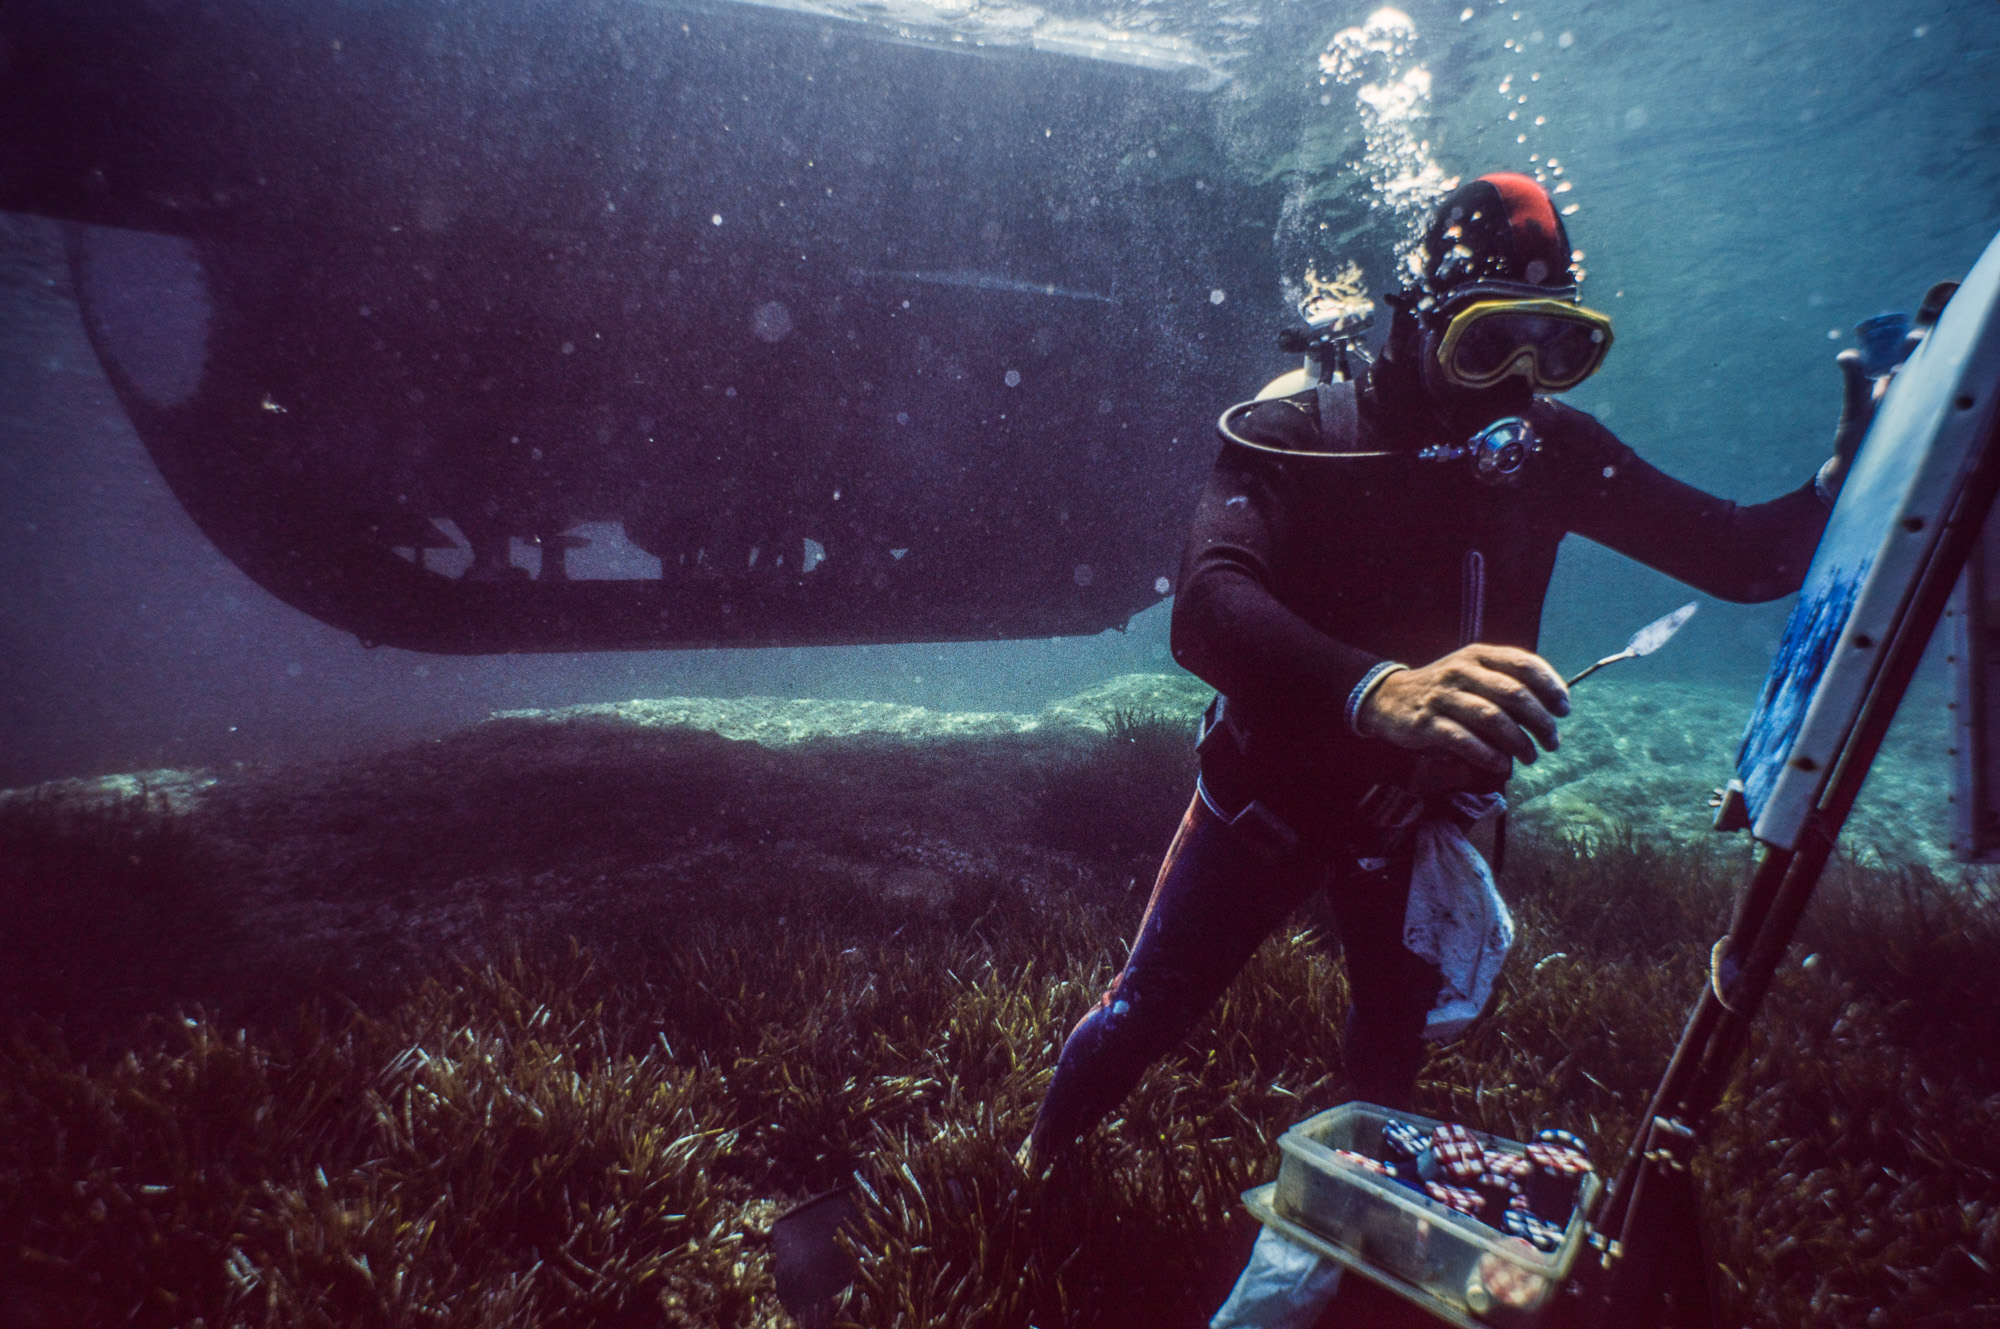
<point x="544" y="1022"/>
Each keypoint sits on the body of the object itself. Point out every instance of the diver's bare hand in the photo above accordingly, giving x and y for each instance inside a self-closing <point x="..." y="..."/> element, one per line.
<point x="1480" y="704"/>
<point x="1858" y="397"/>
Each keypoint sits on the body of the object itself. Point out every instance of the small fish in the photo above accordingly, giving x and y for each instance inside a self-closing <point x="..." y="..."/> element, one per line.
<point x="984" y="281"/>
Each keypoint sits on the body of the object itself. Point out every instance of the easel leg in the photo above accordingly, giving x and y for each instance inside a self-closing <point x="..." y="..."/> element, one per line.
<point x="1661" y="1278"/>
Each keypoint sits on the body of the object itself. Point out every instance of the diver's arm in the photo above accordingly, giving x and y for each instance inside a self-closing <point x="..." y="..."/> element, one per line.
<point x="1745" y="553"/>
<point x="1229" y="627"/>
<point x="1734" y="552"/>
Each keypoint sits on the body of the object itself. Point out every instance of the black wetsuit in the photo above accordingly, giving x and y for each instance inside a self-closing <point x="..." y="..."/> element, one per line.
<point x="1301" y="575"/>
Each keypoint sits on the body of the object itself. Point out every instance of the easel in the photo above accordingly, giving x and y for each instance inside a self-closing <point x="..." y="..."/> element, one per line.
<point x="1654" y="1274"/>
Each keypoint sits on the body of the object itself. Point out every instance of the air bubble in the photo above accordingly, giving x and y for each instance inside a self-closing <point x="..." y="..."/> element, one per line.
<point x="1013" y="378"/>
<point x="771" y="322"/>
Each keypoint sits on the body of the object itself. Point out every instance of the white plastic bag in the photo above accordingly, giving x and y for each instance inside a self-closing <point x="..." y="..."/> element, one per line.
<point x="1285" y="1286"/>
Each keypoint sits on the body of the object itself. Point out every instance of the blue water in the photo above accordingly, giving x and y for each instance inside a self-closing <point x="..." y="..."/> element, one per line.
<point x="1750" y="181"/>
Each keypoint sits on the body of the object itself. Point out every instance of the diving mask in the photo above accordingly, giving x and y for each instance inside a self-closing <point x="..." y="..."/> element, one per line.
<point x="1493" y="330"/>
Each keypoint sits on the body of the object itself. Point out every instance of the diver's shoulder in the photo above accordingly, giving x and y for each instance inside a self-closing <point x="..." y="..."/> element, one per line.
<point x="1552" y="413"/>
<point x="1559" y="423"/>
<point x="1279" y="424"/>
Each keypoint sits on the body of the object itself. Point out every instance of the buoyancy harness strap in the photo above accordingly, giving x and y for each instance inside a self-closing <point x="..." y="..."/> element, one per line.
<point x="1337" y="415"/>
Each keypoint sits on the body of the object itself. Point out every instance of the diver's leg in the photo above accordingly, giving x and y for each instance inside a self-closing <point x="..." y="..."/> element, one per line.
<point x="1214" y="901"/>
<point x="1391" y="991"/>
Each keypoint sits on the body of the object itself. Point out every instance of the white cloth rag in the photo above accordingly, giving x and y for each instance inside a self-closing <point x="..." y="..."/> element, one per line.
<point x="1456" y="918"/>
<point x="1285" y="1286"/>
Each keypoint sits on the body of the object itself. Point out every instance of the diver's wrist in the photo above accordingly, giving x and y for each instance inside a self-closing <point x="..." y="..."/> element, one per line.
<point x="1358" y="698"/>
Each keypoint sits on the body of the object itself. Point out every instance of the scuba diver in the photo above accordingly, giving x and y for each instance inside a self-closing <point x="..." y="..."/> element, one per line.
<point x="1363" y="587"/>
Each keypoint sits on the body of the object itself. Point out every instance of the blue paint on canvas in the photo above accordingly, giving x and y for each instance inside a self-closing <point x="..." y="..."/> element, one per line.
<point x="1808" y="644"/>
<point x="1877" y="487"/>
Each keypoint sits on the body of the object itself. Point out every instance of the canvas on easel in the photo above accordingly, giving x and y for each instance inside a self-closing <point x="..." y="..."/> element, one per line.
<point x="1904" y="484"/>
<point x="1904" y="529"/>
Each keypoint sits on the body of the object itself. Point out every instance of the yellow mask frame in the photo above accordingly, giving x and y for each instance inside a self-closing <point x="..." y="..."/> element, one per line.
<point x="1537" y="355"/>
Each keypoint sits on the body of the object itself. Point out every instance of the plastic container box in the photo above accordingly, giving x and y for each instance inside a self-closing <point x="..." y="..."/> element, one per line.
<point x="1455" y="1267"/>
